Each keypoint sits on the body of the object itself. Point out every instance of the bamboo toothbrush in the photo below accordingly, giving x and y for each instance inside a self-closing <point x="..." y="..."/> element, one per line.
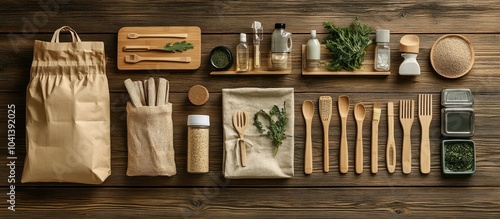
<point x="375" y="121"/>
<point x="325" y="112"/>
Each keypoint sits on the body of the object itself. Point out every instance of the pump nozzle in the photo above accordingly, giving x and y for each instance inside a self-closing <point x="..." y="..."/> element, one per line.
<point x="258" y="32"/>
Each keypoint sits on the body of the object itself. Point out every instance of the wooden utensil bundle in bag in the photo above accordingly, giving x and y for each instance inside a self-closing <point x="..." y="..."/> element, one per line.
<point x="67" y="113"/>
<point x="149" y="129"/>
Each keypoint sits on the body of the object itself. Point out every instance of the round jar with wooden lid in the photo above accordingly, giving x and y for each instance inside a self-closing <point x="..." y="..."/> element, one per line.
<point x="198" y="95"/>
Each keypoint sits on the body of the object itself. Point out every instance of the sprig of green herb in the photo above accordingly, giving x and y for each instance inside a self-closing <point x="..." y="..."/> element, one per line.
<point x="178" y="46"/>
<point x="276" y="128"/>
<point x="347" y="45"/>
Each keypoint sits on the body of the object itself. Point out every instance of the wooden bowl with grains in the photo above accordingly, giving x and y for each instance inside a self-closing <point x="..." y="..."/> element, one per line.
<point x="452" y="56"/>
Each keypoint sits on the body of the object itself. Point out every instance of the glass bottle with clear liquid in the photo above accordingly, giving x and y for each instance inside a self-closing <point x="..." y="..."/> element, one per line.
<point x="382" y="51"/>
<point x="242" y="54"/>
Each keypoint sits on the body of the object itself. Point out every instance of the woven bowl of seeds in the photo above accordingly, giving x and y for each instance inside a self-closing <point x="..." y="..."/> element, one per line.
<point x="452" y="56"/>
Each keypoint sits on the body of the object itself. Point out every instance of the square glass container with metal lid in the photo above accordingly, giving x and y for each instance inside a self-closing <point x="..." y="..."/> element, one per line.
<point x="457" y="116"/>
<point x="457" y="98"/>
<point x="457" y="122"/>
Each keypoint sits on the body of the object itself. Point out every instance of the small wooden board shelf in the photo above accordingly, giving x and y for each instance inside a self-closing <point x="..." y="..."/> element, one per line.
<point x="366" y="69"/>
<point x="193" y="36"/>
<point x="263" y="70"/>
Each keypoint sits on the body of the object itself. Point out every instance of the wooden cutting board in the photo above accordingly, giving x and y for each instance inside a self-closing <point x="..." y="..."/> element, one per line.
<point x="193" y="36"/>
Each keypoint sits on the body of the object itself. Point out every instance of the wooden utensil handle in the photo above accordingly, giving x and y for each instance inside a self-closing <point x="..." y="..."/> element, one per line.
<point x="391" y="157"/>
<point x="136" y="48"/>
<point x="359" y="149"/>
<point x="390" y="154"/>
<point x="344" y="165"/>
<point x="243" y="151"/>
<point x="163" y="35"/>
<point x="374" y="148"/>
<point x="406" y="152"/>
<point x="168" y="59"/>
<point x="308" y="150"/>
<point x="425" y="155"/>
<point x="326" y="149"/>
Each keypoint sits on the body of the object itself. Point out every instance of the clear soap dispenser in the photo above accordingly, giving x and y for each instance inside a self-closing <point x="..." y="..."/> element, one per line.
<point x="242" y="54"/>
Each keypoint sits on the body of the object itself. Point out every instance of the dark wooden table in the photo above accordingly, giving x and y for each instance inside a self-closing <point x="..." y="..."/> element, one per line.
<point x="318" y="195"/>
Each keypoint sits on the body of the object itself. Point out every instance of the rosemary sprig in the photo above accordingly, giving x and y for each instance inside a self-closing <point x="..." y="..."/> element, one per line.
<point x="276" y="128"/>
<point x="347" y="45"/>
<point x="178" y="46"/>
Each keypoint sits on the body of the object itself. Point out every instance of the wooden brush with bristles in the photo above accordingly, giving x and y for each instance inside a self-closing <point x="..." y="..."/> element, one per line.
<point x="325" y="112"/>
<point x="374" y="152"/>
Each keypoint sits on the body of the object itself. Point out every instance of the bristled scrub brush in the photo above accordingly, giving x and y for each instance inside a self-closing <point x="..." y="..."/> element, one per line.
<point x="325" y="112"/>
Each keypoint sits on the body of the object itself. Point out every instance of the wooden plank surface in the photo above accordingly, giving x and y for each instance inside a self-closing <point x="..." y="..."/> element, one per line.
<point x="219" y="202"/>
<point x="324" y="195"/>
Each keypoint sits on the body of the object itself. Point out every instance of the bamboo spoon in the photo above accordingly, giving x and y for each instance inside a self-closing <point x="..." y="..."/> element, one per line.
<point x="343" y="105"/>
<point x="390" y="150"/>
<point x="359" y="115"/>
<point x="308" y="112"/>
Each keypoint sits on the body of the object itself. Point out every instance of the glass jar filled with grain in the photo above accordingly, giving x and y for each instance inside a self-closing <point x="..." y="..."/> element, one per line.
<point x="198" y="143"/>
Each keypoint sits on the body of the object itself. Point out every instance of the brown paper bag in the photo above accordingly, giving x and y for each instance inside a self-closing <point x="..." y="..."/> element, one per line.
<point x="150" y="141"/>
<point x="261" y="161"/>
<point x="67" y="113"/>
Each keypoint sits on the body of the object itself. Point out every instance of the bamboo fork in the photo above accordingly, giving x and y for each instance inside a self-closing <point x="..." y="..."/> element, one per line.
<point x="406" y="116"/>
<point x="240" y="123"/>
<point x="425" y="118"/>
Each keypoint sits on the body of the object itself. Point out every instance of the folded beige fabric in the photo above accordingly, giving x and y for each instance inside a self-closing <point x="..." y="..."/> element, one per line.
<point x="150" y="141"/>
<point x="261" y="161"/>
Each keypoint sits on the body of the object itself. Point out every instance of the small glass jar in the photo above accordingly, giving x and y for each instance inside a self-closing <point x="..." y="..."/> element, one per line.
<point x="382" y="51"/>
<point x="198" y="143"/>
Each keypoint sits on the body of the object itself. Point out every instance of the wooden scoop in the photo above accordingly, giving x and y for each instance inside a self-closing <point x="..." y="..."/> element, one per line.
<point x="136" y="58"/>
<point x="359" y="115"/>
<point x="308" y="112"/>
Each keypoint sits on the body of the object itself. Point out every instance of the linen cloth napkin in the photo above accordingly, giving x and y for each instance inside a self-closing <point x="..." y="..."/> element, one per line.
<point x="261" y="161"/>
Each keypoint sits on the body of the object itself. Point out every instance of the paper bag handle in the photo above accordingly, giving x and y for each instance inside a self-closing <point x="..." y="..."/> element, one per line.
<point x="74" y="36"/>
